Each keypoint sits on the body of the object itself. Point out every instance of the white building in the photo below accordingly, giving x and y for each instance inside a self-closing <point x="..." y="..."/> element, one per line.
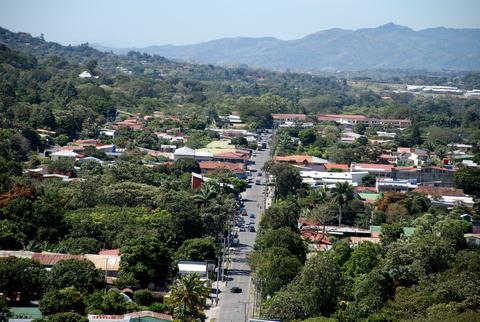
<point x="85" y="74"/>
<point x="187" y="153"/>
<point x="329" y="179"/>
<point x="64" y="154"/>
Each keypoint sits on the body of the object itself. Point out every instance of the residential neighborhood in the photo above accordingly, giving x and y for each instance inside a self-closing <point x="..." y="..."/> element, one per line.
<point x="206" y="175"/>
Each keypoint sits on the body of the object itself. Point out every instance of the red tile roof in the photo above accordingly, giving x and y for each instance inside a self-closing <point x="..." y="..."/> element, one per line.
<point x="231" y="155"/>
<point x="334" y="117"/>
<point x="214" y="165"/>
<point x="372" y="166"/>
<point x="50" y="259"/>
<point x="365" y="189"/>
<point x="115" y="251"/>
<point x="439" y="191"/>
<point x="290" y="116"/>
<point x="294" y="158"/>
<point x="315" y="237"/>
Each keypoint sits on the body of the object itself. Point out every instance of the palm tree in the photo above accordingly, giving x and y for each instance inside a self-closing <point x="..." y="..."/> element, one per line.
<point x="205" y="193"/>
<point x="342" y="194"/>
<point x="188" y="298"/>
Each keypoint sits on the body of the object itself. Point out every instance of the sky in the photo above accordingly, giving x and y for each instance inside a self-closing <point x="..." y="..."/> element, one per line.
<point x="140" y="23"/>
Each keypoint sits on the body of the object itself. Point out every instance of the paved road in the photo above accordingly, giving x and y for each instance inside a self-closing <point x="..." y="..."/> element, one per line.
<point x="237" y="307"/>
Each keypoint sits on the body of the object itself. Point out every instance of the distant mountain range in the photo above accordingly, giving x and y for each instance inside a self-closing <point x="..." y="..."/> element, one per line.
<point x="386" y="47"/>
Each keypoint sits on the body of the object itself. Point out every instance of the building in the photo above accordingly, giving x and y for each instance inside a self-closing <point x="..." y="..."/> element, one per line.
<point x="193" y="267"/>
<point x="329" y="179"/>
<point x="379" y="170"/>
<point x="352" y="119"/>
<point x="85" y="74"/>
<point x="303" y="161"/>
<point x="280" y="119"/>
<point x="110" y="264"/>
<point x="448" y="197"/>
<point x="187" y="153"/>
<point x="397" y="185"/>
<point x="65" y="154"/>
<point x="237" y="169"/>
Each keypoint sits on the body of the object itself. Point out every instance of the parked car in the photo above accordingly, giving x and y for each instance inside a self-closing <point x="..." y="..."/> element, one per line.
<point x="258" y="182"/>
<point x="252" y="215"/>
<point x="242" y="228"/>
<point x="235" y="289"/>
<point x="251" y="229"/>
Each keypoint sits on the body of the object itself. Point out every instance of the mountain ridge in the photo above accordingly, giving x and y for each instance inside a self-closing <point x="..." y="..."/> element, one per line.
<point x="387" y="46"/>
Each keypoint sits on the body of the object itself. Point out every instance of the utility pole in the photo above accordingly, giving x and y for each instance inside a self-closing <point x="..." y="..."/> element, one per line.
<point x="218" y="280"/>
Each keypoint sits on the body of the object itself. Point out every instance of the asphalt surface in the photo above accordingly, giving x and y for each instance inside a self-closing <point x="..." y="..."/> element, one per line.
<point x="237" y="307"/>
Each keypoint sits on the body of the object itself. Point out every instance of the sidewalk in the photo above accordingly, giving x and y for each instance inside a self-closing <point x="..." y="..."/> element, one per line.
<point x="212" y="312"/>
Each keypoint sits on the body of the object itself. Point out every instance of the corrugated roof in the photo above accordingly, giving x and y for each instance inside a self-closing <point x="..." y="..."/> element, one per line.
<point x="50" y="259"/>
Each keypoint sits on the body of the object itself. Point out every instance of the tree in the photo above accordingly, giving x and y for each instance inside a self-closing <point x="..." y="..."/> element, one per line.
<point x="91" y="66"/>
<point x="276" y="267"/>
<point x="5" y="313"/>
<point x="319" y="285"/>
<point x="21" y="275"/>
<point x="371" y="294"/>
<point x="205" y="193"/>
<point x="65" y="317"/>
<point x="188" y="298"/>
<point x="114" y="303"/>
<point x="65" y="300"/>
<point x="286" y="305"/>
<point x="79" y="245"/>
<point x="143" y="297"/>
<point x="284" y="238"/>
<point x="468" y="179"/>
<point x="198" y="249"/>
<point x="342" y="194"/>
<point x="369" y="180"/>
<point x="80" y="274"/>
<point x="287" y="178"/>
<point x="281" y="214"/>
<point x="307" y="136"/>
<point x="146" y="259"/>
<point x="364" y="258"/>
<point x="390" y="233"/>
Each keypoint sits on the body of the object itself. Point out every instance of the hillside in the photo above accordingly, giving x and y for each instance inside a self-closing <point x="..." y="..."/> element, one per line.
<point x="389" y="46"/>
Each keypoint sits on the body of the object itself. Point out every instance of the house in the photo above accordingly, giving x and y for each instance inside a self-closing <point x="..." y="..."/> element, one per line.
<point x="193" y="267"/>
<point x="140" y="316"/>
<point x="379" y="170"/>
<point x="234" y="157"/>
<point x="110" y="264"/>
<point x="398" y="185"/>
<point x="187" y="153"/>
<point x="304" y="161"/>
<point x="317" y="240"/>
<point x="472" y="239"/>
<point x="427" y="176"/>
<point x="280" y="119"/>
<point x="85" y="74"/>
<point x="207" y="167"/>
<point x="446" y="196"/>
<point x="412" y="156"/>
<point x="65" y="154"/>
<point x="131" y="122"/>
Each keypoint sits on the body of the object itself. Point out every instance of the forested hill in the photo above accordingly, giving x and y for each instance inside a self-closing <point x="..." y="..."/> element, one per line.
<point x="389" y="46"/>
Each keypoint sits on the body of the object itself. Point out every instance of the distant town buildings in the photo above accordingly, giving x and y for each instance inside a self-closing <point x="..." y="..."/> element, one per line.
<point x="352" y="119"/>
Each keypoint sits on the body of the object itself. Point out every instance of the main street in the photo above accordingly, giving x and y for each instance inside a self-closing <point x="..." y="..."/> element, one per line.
<point x="237" y="307"/>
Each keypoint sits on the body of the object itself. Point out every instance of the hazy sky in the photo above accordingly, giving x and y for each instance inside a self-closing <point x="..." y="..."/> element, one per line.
<point x="123" y="23"/>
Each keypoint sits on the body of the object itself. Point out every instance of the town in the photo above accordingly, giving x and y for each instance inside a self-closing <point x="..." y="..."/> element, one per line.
<point x="139" y="188"/>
